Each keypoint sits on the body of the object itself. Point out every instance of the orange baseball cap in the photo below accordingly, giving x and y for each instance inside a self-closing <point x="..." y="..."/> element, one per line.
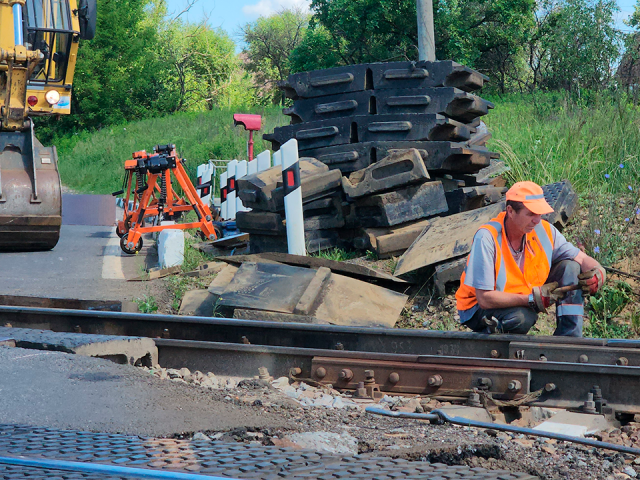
<point x="531" y="195"/>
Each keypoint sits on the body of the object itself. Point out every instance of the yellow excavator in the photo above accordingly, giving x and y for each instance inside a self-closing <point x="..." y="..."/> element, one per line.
<point x="38" y="48"/>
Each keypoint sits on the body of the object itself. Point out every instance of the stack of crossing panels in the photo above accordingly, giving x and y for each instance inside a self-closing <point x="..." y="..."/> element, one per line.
<point x="322" y="199"/>
<point x="406" y="136"/>
<point x="350" y="117"/>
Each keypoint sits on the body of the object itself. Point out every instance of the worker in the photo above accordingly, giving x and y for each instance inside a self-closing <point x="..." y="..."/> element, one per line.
<point x="517" y="262"/>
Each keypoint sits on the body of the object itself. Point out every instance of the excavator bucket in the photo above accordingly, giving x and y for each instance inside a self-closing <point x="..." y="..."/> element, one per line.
<point x="30" y="193"/>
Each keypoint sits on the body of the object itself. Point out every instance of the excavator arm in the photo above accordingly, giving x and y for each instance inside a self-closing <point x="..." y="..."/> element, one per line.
<point x="38" y="48"/>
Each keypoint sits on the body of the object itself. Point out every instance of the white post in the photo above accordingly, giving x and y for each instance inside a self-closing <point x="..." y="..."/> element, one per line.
<point x="263" y="160"/>
<point x="293" y="198"/>
<point x="426" y="38"/>
<point x="223" y="195"/>
<point x="252" y="166"/>
<point x="241" y="171"/>
<point x="203" y="173"/>
<point x="231" y="184"/>
<point x="277" y="157"/>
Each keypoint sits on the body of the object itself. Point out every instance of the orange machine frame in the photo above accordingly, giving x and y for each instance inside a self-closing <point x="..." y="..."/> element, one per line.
<point x="146" y="203"/>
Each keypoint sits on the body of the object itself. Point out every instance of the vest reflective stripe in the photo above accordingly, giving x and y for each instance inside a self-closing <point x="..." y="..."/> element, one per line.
<point x="570" y="309"/>
<point x="544" y="242"/>
<point x="501" y="278"/>
<point x="538" y="255"/>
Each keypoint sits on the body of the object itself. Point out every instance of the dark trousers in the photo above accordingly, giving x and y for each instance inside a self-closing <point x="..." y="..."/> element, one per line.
<point x="569" y="311"/>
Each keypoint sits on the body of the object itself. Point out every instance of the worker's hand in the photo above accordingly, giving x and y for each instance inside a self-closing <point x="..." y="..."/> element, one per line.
<point x="592" y="280"/>
<point x="545" y="295"/>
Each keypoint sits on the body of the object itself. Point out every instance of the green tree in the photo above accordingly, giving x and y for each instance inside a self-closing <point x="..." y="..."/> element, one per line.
<point x="202" y="61"/>
<point x="118" y="76"/>
<point x="577" y="45"/>
<point x="270" y="41"/>
<point x="485" y="34"/>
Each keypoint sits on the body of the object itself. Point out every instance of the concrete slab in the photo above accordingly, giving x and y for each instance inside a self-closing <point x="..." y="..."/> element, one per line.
<point x="171" y="248"/>
<point x="197" y="302"/>
<point x="326" y="296"/>
<point x="576" y="424"/>
<point x="64" y="391"/>
<point x="471" y="413"/>
<point x="131" y="350"/>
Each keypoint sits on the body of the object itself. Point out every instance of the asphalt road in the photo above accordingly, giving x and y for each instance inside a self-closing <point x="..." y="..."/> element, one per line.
<point x="86" y="264"/>
<point x="65" y="391"/>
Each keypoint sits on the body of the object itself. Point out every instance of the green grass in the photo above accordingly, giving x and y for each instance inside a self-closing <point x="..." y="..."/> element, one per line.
<point x="594" y="143"/>
<point x="147" y="304"/>
<point x="93" y="162"/>
<point x="336" y="254"/>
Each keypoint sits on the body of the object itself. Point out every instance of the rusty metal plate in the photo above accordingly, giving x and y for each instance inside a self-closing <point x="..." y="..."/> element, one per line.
<point x="418" y="378"/>
<point x="575" y="353"/>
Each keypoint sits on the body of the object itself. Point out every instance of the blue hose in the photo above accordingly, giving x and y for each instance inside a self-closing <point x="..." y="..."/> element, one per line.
<point x="439" y="416"/>
<point x="106" y="469"/>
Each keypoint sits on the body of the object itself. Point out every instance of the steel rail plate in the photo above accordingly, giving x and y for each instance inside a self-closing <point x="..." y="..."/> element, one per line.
<point x="422" y="378"/>
<point x="573" y="381"/>
<point x="326" y="337"/>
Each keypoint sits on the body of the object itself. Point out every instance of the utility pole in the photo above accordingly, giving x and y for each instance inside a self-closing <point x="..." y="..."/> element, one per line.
<point x="426" y="39"/>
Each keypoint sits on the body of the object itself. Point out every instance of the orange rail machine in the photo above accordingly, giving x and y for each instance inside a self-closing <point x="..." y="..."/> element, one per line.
<point x="154" y="196"/>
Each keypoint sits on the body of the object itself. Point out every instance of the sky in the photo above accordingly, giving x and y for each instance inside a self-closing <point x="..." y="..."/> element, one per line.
<point x="230" y="15"/>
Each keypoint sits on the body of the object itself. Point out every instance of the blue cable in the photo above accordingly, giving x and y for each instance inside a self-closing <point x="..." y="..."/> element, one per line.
<point x="105" y="469"/>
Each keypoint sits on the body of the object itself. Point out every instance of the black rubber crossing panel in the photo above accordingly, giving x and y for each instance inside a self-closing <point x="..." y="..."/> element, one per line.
<point x="563" y="199"/>
<point x="375" y="76"/>
<point x="237" y="460"/>
<point x="366" y="128"/>
<point x="449" y="157"/>
<point x="451" y="102"/>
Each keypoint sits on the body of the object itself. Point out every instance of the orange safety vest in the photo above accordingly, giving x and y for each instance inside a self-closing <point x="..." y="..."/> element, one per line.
<point x="538" y="253"/>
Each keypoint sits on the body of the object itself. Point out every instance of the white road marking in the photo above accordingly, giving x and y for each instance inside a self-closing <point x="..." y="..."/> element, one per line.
<point x="112" y="264"/>
<point x="32" y="355"/>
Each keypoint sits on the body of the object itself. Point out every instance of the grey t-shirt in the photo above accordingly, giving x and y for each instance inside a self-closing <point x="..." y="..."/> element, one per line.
<point x="480" y="271"/>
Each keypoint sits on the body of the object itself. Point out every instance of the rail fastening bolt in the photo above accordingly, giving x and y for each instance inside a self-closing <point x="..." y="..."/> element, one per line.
<point x="514" y="386"/>
<point x="589" y="406"/>
<point x="474" y="399"/>
<point x="485" y="382"/>
<point x="623" y="361"/>
<point x="361" y="391"/>
<point x="495" y="354"/>
<point x="550" y="387"/>
<point x="295" y="371"/>
<point x="263" y="373"/>
<point x="339" y="346"/>
<point x="583" y="358"/>
<point x="369" y="374"/>
<point x="321" y="372"/>
<point x="394" y="377"/>
<point x="345" y="374"/>
<point x="435" y="380"/>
